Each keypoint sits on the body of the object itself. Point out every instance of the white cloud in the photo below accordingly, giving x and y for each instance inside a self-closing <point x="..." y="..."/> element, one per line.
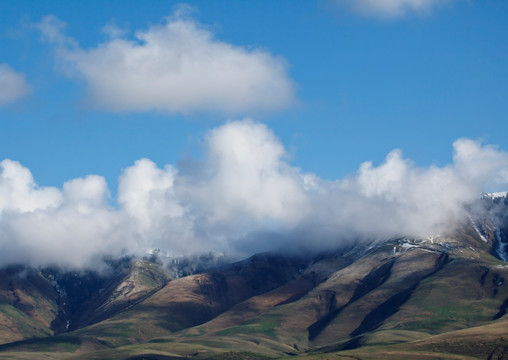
<point x="247" y="178"/>
<point x="178" y="66"/>
<point x="242" y="197"/>
<point x="390" y="8"/>
<point x="19" y="193"/>
<point x="45" y="225"/>
<point x="152" y="207"/>
<point x="13" y="85"/>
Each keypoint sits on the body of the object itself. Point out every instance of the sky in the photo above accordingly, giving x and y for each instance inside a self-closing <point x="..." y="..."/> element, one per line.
<point x="224" y="125"/>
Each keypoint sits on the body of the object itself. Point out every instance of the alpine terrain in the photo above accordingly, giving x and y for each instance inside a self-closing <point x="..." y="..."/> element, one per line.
<point x="443" y="297"/>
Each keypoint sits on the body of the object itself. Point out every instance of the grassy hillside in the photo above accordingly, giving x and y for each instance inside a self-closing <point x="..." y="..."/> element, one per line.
<point x="403" y="299"/>
<point x="28" y="304"/>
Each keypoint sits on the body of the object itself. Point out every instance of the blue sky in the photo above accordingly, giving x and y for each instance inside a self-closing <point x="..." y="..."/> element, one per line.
<point x="215" y="125"/>
<point x="365" y="84"/>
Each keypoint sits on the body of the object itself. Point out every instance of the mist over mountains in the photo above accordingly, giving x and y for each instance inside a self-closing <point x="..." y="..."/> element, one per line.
<point x="241" y="197"/>
<point x="401" y="298"/>
<point x="239" y="247"/>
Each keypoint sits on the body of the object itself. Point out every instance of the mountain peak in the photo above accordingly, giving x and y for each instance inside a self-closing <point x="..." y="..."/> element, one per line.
<point x="495" y="195"/>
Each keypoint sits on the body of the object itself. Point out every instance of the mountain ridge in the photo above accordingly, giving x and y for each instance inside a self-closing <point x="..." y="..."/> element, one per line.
<point x="397" y="296"/>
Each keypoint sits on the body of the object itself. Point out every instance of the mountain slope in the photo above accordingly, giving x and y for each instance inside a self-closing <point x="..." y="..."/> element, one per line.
<point x="28" y="304"/>
<point x="402" y="298"/>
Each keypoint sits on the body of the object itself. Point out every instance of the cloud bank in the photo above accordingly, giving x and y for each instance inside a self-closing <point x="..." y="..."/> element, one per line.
<point x="178" y="66"/>
<point x="242" y="197"/>
<point x="13" y="85"/>
<point x="390" y="8"/>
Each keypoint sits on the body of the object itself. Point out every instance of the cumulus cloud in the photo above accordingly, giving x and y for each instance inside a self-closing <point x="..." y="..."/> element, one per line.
<point x="390" y="8"/>
<point x="13" y="85"/>
<point x="45" y="225"/>
<point x="242" y="197"/>
<point x="246" y="177"/>
<point x="178" y="66"/>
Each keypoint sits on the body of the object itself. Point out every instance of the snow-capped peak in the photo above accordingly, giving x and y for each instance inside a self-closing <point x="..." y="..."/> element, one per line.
<point x="495" y="195"/>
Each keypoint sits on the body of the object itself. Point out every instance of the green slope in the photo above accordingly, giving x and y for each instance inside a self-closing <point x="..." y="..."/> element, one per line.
<point x="405" y="299"/>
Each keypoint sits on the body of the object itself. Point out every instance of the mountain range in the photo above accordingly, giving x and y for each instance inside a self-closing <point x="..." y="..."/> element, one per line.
<point x="444" y="296"/>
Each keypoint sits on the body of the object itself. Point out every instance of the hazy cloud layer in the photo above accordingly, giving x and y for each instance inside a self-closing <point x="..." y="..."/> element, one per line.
<point x="13" y="85"/>
<point x="390" y="8"/>
<point x="242" y="197"/>
<point x="178" y="66"/>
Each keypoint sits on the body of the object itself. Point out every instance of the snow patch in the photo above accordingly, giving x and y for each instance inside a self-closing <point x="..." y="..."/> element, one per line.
<point x="501" y="245"/>
<point x="495" y="195"/>
<point x="478" y="229"/>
